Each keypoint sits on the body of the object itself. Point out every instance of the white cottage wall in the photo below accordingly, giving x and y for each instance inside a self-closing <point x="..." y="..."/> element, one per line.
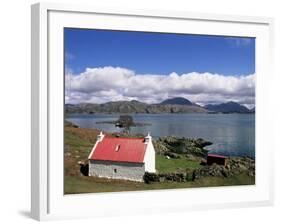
<point x="116" y="170"/>
<point x="149" y="158"/>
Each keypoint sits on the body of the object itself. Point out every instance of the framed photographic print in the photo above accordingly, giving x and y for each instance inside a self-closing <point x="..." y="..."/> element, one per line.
<point x="141" y="108"/>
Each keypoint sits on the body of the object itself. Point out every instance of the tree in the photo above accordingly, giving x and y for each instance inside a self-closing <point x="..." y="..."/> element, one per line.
<point x="125" y="121"/>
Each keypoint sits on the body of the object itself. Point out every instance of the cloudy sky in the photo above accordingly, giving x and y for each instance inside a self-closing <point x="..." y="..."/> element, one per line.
<point x="102" y="66"/>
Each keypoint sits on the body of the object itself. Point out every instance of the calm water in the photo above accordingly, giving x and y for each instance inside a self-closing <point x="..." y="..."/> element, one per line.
<point x="231" y="134"/>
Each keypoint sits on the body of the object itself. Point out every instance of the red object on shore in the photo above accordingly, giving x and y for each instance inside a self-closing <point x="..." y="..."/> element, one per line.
<point x="218" y="159"/>
<point x="120" y="149"/>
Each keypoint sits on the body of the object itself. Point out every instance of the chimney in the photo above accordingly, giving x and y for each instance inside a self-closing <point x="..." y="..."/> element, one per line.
<point x="147" y="138"/>
<point x="100" y="137"/>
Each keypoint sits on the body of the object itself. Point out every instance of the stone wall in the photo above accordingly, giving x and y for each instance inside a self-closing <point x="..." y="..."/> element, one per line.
<point x="234" y="167"/>
<point x="167" y="177"/>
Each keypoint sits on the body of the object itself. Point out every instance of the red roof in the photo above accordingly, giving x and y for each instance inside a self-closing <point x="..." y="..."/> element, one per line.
<point x="217" y="156"/>
<point x="120" y="149"/>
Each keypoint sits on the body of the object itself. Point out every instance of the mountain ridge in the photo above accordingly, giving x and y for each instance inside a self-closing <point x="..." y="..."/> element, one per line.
<point x="228" y="107"/>
<point x="169" y="106"/>
<point x="177" y="101"/>
<point x="132" y="107"/>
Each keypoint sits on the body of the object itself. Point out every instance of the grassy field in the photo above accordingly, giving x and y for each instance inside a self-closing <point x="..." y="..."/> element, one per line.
<point x="164" y="165"/>
<point x="78" y="144"/>
<point x="81" y="184"/>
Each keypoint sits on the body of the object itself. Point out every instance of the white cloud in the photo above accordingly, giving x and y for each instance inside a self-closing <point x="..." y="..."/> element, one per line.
<point x="99" y="85"/>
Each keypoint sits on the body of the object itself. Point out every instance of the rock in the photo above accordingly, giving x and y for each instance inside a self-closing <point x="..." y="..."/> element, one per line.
<point x="180" y="145"/>
<point x="150" y="177"/>
<point x="203" y="162"/>
<point x="242" y="167"/>
<point x="188" y="176"/>
<point x="190" y="157"/>
<point x="68" y="154"/>
<point x="69" y="124"/>
<point x="164" y="177"/>
<point x="225" y="172"/>
<point x="227" y="166"/>
<point x="171" y="155"/>
<point x="201" y="143"/>
<point x="251" y="173"/>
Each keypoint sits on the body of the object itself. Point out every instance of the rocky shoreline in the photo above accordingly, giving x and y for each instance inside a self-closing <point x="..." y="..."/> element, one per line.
<point x="190" y="147"/>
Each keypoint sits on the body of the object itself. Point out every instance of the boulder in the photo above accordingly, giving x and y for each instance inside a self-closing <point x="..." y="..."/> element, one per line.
<point x="203" y="162"/>
<point x="172" y="155"/>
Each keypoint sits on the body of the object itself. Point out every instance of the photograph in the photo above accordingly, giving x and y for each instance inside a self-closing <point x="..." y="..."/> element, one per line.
<point x="157" y="111"/>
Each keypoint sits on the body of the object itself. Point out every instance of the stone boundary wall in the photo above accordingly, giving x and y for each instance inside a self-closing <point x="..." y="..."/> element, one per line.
<point x="234" y="167"/>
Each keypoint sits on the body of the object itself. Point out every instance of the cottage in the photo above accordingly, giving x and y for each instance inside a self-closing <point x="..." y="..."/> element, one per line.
<point x="218" y="159"/>
<point x="122" y="158"/>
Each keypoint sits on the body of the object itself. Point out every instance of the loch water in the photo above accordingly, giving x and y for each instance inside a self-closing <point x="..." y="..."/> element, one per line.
<point x="231" y="134"/>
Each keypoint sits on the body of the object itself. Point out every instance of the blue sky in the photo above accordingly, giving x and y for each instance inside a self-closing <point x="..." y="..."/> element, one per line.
<point x="104" y="66"/>
<point x="154" y="53"/>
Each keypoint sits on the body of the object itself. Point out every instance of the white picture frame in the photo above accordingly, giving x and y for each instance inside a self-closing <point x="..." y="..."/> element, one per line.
<point x="48" y="201"/>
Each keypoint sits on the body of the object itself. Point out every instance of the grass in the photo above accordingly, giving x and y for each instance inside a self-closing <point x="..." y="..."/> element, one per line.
<point x="80" y="184"/>
<point x="78" y="144"/>
<point x="164" y="165"/>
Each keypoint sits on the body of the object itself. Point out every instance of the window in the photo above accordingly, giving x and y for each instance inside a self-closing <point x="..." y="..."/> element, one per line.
<point x="115" y="170"/>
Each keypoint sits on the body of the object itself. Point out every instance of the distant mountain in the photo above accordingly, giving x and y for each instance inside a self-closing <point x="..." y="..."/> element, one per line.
<point x="130" y="107"/>
<point x="173" y="105"/>
<point x="177" y="101"/>
<point x="229" y="107"/>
